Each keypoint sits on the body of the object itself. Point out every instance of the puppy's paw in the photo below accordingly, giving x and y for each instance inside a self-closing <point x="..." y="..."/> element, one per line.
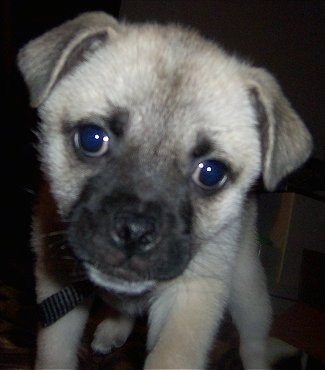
<point x="111" y="333"/>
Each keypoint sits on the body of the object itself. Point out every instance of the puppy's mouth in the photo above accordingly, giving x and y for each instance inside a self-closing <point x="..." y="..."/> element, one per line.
<point x="117" y="284"/>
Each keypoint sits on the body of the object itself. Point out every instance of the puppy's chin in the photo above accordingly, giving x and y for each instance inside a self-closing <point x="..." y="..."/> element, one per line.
<point x="117" y="285"/>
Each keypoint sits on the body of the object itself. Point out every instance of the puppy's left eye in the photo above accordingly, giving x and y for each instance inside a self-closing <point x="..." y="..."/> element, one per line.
<point x="210" y="174"/>
<point x="92" y="140"/>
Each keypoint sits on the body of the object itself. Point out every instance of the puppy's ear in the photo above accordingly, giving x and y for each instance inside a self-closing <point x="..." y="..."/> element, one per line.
<point x="286" y="142"/>
<point x="45" y="60"/>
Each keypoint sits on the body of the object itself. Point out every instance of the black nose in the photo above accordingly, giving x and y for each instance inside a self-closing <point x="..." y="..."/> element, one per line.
<point x="134" y="232"/>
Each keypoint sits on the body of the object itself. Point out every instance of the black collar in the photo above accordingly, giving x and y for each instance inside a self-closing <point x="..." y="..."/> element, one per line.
<point x="59" y="304"/>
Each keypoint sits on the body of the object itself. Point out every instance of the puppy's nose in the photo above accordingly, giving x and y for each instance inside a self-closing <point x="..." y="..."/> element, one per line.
<point x="134" y="232"/>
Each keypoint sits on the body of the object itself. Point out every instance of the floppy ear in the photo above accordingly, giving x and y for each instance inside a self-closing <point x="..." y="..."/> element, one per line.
<point x="286" y="142"/>
<point x="45" y="60"/>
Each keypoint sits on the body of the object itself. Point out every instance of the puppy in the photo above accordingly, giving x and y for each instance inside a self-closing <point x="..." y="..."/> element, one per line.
<point x="150" y="140"/>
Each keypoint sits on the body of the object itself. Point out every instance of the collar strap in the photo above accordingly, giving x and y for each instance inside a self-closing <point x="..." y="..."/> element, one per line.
<point x="59" y="304"/>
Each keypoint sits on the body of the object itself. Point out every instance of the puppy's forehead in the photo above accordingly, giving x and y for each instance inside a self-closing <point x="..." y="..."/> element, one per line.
<point x="169" y="80"/>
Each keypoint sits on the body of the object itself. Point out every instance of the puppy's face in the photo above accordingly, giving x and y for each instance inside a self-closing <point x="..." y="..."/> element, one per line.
<point x="151" y="143"/>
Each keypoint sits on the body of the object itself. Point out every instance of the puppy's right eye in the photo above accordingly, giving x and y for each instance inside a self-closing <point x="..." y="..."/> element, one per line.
<point x="92" y="140"/>
<point x="210" y="174"/>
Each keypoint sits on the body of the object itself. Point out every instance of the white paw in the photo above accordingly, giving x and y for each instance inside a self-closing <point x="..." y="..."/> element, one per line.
<point x="111" y="333"/>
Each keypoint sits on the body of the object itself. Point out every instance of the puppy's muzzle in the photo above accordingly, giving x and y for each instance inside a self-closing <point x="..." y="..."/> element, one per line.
<point x="129" y="237"/>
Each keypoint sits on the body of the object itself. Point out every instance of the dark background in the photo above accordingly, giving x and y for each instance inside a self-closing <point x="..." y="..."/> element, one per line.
<point x="286" y="37"/>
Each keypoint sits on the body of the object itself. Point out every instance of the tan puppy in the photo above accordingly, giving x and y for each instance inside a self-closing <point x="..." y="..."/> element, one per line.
<point x="151" y="138"/>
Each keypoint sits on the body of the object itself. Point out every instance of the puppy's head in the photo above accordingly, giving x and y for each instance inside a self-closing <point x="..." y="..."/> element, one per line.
<point x="151" y="138"/>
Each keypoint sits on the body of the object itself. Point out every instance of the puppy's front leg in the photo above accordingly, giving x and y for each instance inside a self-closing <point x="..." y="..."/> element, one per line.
<point x="183" y="321"/>
<point x="57" y="344"/>
<point x="250" y="307"/>
<point x="249" y="302"/>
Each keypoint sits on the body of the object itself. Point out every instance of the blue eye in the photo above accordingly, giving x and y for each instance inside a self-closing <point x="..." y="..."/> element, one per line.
<point x="210" y="174"/>
<point x="92" y="140"/>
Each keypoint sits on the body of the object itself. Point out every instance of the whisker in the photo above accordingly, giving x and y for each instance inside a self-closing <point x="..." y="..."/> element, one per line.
<point x="55" y="233"/>
<point x="68" y="258"/>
